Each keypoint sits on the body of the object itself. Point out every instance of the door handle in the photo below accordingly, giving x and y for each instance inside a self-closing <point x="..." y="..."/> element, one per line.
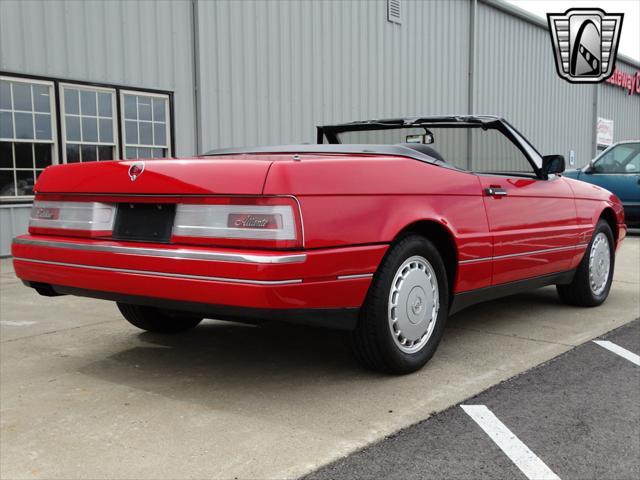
<point x="496" y="192"/>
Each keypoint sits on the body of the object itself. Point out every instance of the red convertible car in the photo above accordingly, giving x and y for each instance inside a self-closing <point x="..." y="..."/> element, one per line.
<point x="384" y="228"/>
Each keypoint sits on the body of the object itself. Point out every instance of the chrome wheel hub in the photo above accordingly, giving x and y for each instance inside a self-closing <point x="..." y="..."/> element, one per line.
<point x="413" y="304"/>
<point x="599" y="263"/>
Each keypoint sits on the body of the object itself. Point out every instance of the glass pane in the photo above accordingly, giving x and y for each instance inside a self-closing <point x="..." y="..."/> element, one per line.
<point x="88" y="102"/>
<point x="104" y="104"/>
<point x="24" y="155"/>
<point x="145" y="133"/>
<point x="144" y="108"/>
<point x="6" y="155"/>
<point x="24" y="125"/>
<point x="131" y="152"/>
<point x="131" y="131"/>
<point x="130" y="108"/>
<point x="41" y="98"/>
<point x="89" y="129"/>
<point x="24" y="182"/>
<point x="6" y="183"/>
<point x="43" y="154"/>
<point x="43" y="126"/>
<point x="158" y="152"/>
<point x="89" y="153"/>
<point x="105" y="153"/>
<point x="73" y="153"/>
<point x="5" y="94"/>
<point x="22" y="96"/>
<point x="72" y="125"/>
<point x="71" y="101"/>
<point x="6" y="125"/>
<point x="106" y="130"/>
<point x="158" y="109"/>
<point x="144" y="153"/>
<point x="38" y="172"/>
<point x="159" y="134"/>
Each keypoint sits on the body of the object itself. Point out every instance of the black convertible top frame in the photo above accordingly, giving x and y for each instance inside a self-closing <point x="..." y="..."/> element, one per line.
<point x="331" y="132"/>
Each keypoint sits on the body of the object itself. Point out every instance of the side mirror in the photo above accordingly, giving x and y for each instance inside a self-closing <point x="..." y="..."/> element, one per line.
<point x="552" y="164"/>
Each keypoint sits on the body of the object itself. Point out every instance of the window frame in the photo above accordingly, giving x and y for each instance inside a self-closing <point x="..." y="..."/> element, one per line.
<point x="55" y="139"/>
<point x="63" y="121"/>
<point x="168" y="122"/>
<point x="58" y="152"/>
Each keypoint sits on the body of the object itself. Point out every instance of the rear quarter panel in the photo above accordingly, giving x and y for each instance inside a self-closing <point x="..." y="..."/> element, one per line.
<point x="365" y="200"/>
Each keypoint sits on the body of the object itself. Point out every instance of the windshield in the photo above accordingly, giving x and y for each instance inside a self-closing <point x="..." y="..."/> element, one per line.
<point x="622" y="158"/>
<point x="466" y="147"/>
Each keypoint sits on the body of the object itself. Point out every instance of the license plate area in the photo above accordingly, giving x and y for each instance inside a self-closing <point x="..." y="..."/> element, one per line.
<point x="144" y="222"/>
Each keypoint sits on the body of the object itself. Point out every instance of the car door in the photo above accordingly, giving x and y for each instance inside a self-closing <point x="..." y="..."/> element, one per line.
<point x="532" y="221"/>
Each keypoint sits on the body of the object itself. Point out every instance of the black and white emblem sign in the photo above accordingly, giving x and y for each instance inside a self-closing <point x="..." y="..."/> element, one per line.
<point x="585" y="43"/>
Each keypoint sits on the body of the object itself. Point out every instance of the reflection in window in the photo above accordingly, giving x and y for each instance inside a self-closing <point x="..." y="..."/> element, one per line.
<point x="26" y="134"/>
<point x="89" y="124"/>
<point x="145" y="125"/>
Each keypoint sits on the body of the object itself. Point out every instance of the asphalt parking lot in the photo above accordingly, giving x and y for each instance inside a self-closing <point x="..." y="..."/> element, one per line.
<point x="85" y="395"/>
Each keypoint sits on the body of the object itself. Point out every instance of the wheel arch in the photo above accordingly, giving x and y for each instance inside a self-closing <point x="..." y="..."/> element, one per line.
<point x="444" y="241"/>
<point x="609" y="216"/>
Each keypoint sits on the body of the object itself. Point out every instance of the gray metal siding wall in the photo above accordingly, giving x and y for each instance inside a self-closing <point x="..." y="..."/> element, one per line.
<point x="144" y="44"/>
<point x="616" y="104"/>
<point x="554" y="115"/>
<point x="273" y="70"/>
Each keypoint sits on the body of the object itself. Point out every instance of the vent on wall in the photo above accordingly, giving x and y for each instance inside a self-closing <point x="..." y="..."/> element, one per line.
<point x="393" y="11"/>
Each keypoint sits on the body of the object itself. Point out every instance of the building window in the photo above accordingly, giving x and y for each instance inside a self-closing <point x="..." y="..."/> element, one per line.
<point x="146" y="125"/>
<point x="89" y="127"/>
<point x="27" y="134"/>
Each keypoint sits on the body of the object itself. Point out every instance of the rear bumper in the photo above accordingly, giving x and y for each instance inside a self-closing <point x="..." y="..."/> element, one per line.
<point x="260" y="283"/>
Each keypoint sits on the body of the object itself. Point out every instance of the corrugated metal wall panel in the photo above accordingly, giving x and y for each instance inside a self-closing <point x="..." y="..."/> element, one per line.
<point x="616" y="104"/>
<point x="14" y="220"/>
<point x="272" y="71"/>
<point x="554" y="115"/>
<point x="146" y="44"/>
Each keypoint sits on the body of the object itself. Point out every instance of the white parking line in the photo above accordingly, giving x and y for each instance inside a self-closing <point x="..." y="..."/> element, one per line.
<point x="518" y="452"/>
<point x="12" y="323"/>
<point x="618" y="350"/>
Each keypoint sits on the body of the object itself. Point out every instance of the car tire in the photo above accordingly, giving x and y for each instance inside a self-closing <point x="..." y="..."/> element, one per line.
<point x="592" y="281"/>
<point x="408" y="303"/>
<point x="156" y="320"/>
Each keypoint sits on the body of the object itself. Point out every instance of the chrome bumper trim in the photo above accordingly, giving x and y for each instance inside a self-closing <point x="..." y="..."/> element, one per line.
<point x="163" y="274"/>
<point x="523" y="254"/>
<point x="168" y="253"/>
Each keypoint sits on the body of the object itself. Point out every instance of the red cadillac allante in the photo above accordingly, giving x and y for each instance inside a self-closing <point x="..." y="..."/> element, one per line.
<point x="383" y="229"/>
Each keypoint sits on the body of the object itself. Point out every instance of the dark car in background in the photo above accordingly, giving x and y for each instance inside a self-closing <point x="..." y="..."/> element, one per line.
<point x="618" y="170"/>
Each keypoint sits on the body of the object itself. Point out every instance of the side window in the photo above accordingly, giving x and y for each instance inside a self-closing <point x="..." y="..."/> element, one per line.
<point x="633" y="165"/>
<point x="89" y="127"/>
<point x="492" y="152"/>
<point x="27" y="134"/>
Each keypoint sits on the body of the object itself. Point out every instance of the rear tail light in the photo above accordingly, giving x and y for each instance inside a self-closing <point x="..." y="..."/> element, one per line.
<point x="262" y="222"/>
<point x="268" y="222"/>
<point x="72" y="218"/>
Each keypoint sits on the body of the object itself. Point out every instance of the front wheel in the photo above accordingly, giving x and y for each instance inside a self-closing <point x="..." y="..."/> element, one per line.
<point x="156" y="320"/>
<point x="402" y="320"/>
<point x="592" y="281"/>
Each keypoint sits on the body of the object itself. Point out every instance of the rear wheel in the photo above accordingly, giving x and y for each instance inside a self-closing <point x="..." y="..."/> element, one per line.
<point x="592" y="281"/>
<point x="157" y="320"/>
<point x="402" y="320"/>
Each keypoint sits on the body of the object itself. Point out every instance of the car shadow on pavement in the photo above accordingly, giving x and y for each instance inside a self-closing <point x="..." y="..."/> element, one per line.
<point x="222" y="362"/>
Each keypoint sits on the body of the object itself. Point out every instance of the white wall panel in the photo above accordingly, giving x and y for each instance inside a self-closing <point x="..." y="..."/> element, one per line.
<point x="273" y="70"/>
